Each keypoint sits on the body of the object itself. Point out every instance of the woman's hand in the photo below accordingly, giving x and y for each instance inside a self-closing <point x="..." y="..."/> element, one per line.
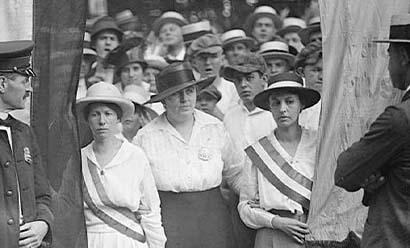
<point x="296" y="229"/>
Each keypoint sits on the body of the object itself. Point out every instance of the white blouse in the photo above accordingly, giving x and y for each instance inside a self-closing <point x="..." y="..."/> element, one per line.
<point x="128" y="182"/>
<point x="258" y="188"/>
<point x="195" y="165"/>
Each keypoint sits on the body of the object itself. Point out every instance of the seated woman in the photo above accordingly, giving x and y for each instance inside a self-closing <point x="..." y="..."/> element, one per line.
<point x="279" y="169"/>
<point x="121" y="202"/>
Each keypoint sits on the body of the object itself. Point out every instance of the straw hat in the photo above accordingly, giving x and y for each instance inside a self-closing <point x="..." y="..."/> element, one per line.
<point x="175" y="77"/>
<point x="262" y="11"/>
<point x="313" y="26"/>
<point x="287" y="81"/>
<point x="124" y="17"/>
<point x="237" y="35"/>
<point x="167" y="17"/>
<point x="399" y="30"/>
<point x="106" y="93"/>
<point x="138" y="96"/>
<point x="156" y="62"/>
<point x="278" y="49"/>
<point x="291" y="25"/>
<point x="193" y="31"/>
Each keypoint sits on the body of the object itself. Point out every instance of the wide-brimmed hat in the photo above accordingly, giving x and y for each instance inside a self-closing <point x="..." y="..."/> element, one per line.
<point x="208" y="43"/>
<point x="262" y="11"/>
<point x="105" y="93"/>
<point x="139" y="96"/>
<point x="193" y="31"/>
<point x="312" y="27"/>
<point x="287" y="81"/>
<point x="167" y="17"/>
<point x="237" y="35"/>
<point x="278" y="49"/>
<point x="103" y="24"/>
<point x="291" y="25"/>
<point x="245" y="64"/>
<point x="124" y="17"/>
<point x="399" y="30"/>
<point x="156" y="62"/>
<point x="175" y="77"/>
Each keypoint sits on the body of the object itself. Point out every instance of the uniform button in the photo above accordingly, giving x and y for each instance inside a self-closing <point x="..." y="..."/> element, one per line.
<point x="9" y="193"/>
<point x="7" y="164"/>
<point x="10" y="222"/>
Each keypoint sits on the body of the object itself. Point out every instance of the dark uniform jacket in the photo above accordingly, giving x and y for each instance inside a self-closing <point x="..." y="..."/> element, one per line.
<point x="385" y="148"/>
<point x="25" y="162"/>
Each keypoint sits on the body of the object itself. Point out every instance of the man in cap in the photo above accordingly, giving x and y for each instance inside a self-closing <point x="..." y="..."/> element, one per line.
<point x="289" y="32"/>
<point x="236" y="43"/>
<point x="206" y="56"/>
<point x="384" y="153"/>
<point x="279" y="56"/>
<point x="246" y="123"/>
<point x="263" y="23"/>
<point x="25" y="215"/>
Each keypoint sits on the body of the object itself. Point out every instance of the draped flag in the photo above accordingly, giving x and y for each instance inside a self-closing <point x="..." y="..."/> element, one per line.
<point x="356" y="90"/>
<point x="58" y="34"/>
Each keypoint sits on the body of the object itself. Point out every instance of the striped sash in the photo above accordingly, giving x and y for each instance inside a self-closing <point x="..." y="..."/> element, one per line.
<point x="118" y="218"/>
<point x="280" y="173"/>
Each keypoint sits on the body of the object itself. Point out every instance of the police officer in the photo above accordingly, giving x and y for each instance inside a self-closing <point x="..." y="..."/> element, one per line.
<point x="25" y="215"/>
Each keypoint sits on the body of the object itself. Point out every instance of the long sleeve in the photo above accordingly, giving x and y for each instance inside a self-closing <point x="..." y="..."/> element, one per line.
<point x="150" y="211"/>
<point x="253" y="217"/>
<point x="377" y="149"/>
<point x="233" y="159"/>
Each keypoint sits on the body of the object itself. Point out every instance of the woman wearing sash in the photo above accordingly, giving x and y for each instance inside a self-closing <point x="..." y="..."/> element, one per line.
<point x="190" y="153"/>
<point x="279" y="168"/>
<point x="121" y="203"/>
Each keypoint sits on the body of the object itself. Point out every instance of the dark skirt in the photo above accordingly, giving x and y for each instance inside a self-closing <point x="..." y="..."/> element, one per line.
<point x="196" y="219"/>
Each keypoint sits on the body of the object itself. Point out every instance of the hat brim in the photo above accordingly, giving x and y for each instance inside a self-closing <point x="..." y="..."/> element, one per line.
<point x="308" y="97"/>
<point x="211" y="50"/>
<point x="128" y="20"/>
<point x="253" y="17"/>
<point x="249" y="42"/>
<point x="126" y="106"/>
<point x="391" y="41"/>
<point x="115" y="30"/>
<point x="164" y="94"/>
<point x="229" y="71"/>
<point x="278" y="55"/>
<point x="156" y="26"/>
<point x="305" y="33"/>
<point x="288" y="29"/>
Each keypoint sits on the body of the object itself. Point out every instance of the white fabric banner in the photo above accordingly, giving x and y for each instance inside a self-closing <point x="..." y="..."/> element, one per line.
<point x="16" y="20"/>
<point x="356" y="90"/>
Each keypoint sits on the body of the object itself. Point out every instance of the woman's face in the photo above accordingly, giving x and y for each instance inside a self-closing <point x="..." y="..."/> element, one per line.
<point x="171" y="34"/>
<point x="285" y="108"/>
<point x="132" y="74"/>
<point x="103" y="120"/>
<point x="181" y="104"/>
<point x="149" y="76"/>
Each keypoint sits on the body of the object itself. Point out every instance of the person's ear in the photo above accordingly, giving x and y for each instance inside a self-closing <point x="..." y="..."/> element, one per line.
<point x="300" y="72"/>
<point x="2" y="84"/>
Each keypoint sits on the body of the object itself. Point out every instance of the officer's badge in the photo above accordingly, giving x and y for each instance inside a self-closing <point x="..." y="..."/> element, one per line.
<point x="27" y="155"/>
<point x="204" y="154"/>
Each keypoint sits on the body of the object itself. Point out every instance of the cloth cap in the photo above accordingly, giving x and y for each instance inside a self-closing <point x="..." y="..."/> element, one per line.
<point x="245" y="65"/>
<point x="193" y="31"/>
<point x="168" y="17"/>
<point x="237" y="35"/>
<point x="287" y="81"/>
<point x="208" y="43"/>
<point x="212" y="91"/>
<point x="15" y="57"/>
<point x="399" y="30"/>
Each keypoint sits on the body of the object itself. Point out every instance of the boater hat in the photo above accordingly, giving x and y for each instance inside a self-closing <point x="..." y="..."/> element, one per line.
<point x="291" y="25"/>
<point x="262" y="11"/>
<point x="290" y="82"/>
<point x="15" y="57"/>
<point x="167" y="17"/>
<point x="175" y="77"/>
<point x="124" y="17"/>
<point x="399" y="30"/>
<point x="237" y="35"/>
<point x="313" y="26"/>
<point x="278" y="49"/>
<point x="193" y="31"/>
<point x="106" y="93"/>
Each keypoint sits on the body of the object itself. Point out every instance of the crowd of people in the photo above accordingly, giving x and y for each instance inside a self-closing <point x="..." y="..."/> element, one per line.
<point x="193" y="138"/>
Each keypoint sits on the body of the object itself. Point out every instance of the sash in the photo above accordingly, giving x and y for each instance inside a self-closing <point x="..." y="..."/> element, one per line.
<point x="280" y="173"/>
<point x="118" y="218"/>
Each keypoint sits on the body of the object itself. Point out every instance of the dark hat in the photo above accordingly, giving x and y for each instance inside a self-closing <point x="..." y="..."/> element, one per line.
<point x="313" y="26"/>
<point x="399" y="30"/>
<point x="245" y="64"/>
<point x="175" y="77"/>
<point x="15" y="57"/>
<point x="105" y="23"/>
<point x="290" y="82"/>
<point x="212" y="91"/>
<point x="291" y="25"/>
<point x="237" y="35"/>
<point x="193" y="31"/>
<point x="262" y="11"/>
<point x="121" y="57"/>
<point x="208" y="43"/>
<point x="168" y="17"/>
<point x="278" y="49"/>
